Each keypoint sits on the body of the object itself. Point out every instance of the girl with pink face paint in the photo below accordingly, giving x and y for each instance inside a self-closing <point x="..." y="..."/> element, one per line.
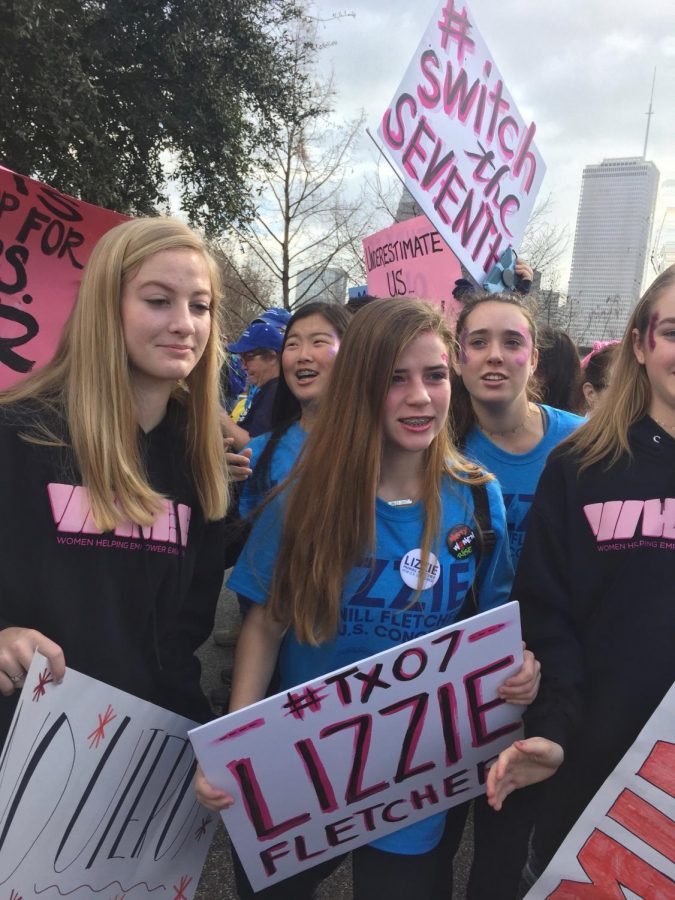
<point x="499" y="425"/>
<point x="497" y="421"/>
<point x="595" y="584"/>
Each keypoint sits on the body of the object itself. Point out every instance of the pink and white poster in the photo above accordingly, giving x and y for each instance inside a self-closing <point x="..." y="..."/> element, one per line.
<point x="411" y="259"/>
<point x="364" y="751"/>
<point x="45" y="240"/>
<point x="464" y="151"/>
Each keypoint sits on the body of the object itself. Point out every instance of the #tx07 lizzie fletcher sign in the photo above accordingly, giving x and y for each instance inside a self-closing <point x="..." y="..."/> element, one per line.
<point x="465" y="153"/>
<point x="97" y="796"/>
<point x="339" y="761"/>
<point x="624" y="843"/>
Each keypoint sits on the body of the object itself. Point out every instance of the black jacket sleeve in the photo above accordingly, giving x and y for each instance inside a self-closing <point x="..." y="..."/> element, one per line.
<point x="544" y="587"/>
<point x="191" y="627"/>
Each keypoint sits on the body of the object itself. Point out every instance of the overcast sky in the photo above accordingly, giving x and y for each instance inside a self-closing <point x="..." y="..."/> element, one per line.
<point x="582" y="71"/>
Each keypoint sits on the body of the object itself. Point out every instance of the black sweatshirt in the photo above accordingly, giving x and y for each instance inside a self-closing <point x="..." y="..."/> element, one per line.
<point x="129" y="607"/>
<point x="596" y="583"/>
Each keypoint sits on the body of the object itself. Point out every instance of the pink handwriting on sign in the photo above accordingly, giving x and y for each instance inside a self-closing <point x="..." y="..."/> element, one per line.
<point x="182" y="886"/>
<point x="45" y="240"/>
<point x="40" y="688"/>
<point x="465" y="153"/>
<point x="310" y="699"/>
<point x="237" y="732"/>
<point x="98" y="734"/>
<point x="487" y="632"/>
<point x="456" y="26"/>
<point x="71" y="512"/>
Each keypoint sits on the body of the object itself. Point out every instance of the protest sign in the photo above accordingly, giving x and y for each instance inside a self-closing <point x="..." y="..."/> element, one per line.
<point x="45" y="240"/>
<point x="410" y="259"/>
<point x="463" y="150"/>
<point x="96" y="795"/>
<point x="624" y="843"/>
<point x="364" y="751"/>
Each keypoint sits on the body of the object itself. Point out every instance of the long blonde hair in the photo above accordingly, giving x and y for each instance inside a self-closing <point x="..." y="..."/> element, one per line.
<point x="87" y="383"/>
<point x="627" y="399"/>
<point x="329" y="524"/>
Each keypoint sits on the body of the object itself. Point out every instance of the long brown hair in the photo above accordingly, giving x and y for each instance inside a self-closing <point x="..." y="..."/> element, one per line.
<point x="87" y="383"/>
<point x="329" y="523"/>
<point x="462" y="414"/>
<point x="627" y="399"/>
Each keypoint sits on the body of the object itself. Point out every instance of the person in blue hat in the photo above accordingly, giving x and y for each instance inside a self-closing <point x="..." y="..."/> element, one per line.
<point x="275" y="316"/>
<point x="258" y="348"/>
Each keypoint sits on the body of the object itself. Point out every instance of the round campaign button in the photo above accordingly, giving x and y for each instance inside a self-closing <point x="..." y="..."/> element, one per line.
<point x="410" y="569"/>
<point x="461" y="541"/>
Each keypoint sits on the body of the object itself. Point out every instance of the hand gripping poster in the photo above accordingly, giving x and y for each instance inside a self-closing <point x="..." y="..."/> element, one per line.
<point x="361" y="752"/>
<point x="463" y="150"/>
<point x="97" y="796"/>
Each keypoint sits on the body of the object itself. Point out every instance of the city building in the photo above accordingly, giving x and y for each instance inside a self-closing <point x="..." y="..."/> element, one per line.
<point x="320" y="283"/>
<point x="664" y="227"/>
<point x="612" y="245"/>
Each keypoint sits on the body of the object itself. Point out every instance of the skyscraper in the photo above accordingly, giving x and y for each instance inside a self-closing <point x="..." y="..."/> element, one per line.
<point x="664" y="237"/>
<point x="611" y="246"/>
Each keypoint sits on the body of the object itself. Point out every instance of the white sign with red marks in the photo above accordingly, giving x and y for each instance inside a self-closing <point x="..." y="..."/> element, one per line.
<point x="364" y="751"/>
<point x="623" y="845"/>
<point x="97" y="795"/>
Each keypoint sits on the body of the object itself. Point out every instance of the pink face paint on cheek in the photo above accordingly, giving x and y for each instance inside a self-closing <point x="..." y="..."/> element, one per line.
<point x="522" y="359"/>
<point x="653" y="322"/>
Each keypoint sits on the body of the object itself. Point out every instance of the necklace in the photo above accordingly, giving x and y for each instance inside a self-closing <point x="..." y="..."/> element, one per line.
<point x="515" y="430"/>
<point x="664" y="426"/>
<point x="406" y="502"/>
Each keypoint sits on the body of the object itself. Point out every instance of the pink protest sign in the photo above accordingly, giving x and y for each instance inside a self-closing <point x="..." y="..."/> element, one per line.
<point x="465" y="153"/>
<point x="45" y="240"/>
<point x="411" y="259"/>
<point x="364" y="751"/>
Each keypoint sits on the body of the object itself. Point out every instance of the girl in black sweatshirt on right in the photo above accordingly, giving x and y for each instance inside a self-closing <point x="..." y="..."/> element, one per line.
<point x="596" y="581"/>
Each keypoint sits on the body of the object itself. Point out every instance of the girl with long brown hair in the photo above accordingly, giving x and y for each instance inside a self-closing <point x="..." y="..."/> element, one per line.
<point x="112" y="478"/>
<point x="379" y="480"/>
<point x="596" y="578"/>
<point x="501" y="426"/>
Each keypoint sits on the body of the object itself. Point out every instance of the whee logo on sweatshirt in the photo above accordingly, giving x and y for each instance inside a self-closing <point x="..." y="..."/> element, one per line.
<point x="636" y="523"/>
<point x="72" y="515"/>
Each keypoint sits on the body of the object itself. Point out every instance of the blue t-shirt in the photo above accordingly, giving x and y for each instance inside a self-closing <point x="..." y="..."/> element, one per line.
<point x="518" y="473"/>
<point x="376" y="602"/>
<point x="283" y="459"/>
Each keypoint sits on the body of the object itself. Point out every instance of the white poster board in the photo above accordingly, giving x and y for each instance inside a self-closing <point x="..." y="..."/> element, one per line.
<point x="97" y="796"/>
<point x="339" y="761"/>
<point x="623" y="845"/>
<point x="462" y="148"/>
